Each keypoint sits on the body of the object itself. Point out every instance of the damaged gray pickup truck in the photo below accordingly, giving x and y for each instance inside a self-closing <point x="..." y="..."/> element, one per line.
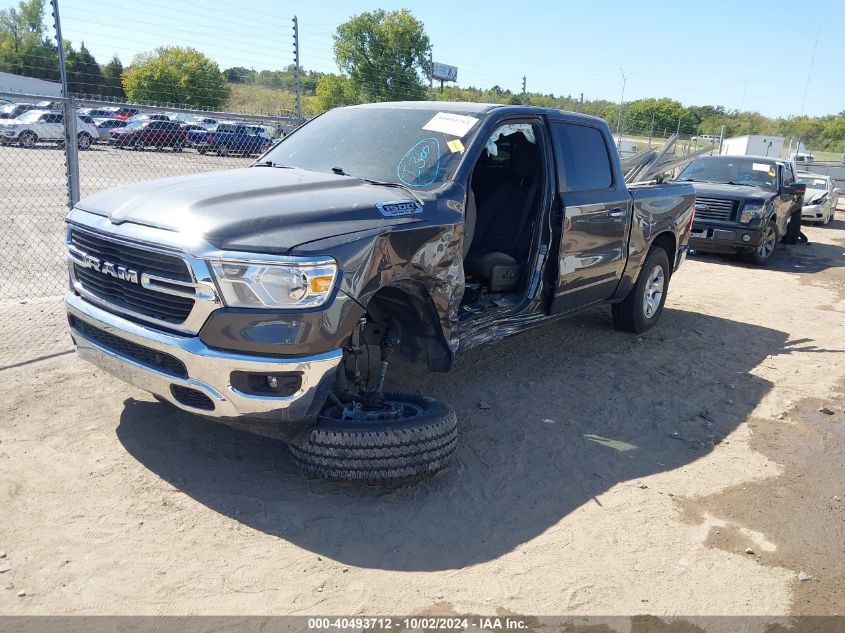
<point x="281" y="293"/>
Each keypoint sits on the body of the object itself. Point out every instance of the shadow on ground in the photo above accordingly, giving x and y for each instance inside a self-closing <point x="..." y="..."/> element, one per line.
<point x="575" y="408"/>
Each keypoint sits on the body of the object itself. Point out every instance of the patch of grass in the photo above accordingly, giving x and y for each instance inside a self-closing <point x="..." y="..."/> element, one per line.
<point x="260" y="100"/>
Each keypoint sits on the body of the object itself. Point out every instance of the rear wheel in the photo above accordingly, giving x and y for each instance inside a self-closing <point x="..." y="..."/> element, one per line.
<point x="411" y="436"/>
<point x="28" y="140"/>
<point x="138" y="145"/>
<point x="83" y="141"/>
<point x="641" y="309"/>
<point x="762" y="255"/>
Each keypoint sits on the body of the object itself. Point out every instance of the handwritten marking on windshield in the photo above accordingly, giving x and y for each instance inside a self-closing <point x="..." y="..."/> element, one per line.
<point x="420" y="165"/>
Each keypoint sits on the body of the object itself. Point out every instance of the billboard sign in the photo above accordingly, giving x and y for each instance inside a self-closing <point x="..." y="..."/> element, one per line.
<point x="444" y="72"/>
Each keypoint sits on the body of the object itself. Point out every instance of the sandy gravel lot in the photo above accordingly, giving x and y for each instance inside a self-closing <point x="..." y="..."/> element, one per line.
<point x="612" y="475"/>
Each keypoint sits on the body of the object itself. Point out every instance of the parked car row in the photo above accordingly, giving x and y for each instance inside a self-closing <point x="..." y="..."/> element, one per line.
<point x="27" y="124"/>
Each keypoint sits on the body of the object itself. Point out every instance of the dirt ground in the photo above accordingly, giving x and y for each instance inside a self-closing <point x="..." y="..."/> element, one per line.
<point x="688" y="471"/>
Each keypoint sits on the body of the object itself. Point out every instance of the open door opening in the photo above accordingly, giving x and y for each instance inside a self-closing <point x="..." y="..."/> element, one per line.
<point x="503" y="209"/>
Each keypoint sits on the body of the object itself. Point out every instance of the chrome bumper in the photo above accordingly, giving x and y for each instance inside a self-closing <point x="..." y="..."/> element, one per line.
<point x="209" y="371"/>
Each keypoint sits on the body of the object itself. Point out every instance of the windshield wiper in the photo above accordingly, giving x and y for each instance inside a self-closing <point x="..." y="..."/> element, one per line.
<point x="743" y="184"/>
<point x="395" y="185"/>
<point x="693" y="180"/>
<point x="383" y="183"/>
<point x="270" y="163"/>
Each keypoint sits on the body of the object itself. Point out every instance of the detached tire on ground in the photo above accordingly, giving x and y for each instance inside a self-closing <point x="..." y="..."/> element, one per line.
<point x="404" y="448"/>
<point x="641" y="309"/>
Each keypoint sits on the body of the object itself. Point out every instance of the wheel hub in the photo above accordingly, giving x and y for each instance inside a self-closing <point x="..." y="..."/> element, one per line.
<point x="653" y="292"/>
<point x="767" y="244"/>
<point x="355" y="412"/>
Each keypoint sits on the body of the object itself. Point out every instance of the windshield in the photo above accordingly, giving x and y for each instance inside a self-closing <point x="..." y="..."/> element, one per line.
<point x="134" y="125"/>
<point x="813" y="183"/>
<point x="30" y="116"/>
<point x="738" y="170"/>
<point x="418" y="148"/>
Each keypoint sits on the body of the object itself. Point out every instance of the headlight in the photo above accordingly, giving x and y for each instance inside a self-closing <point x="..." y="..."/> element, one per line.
<point x="752" y="211"/>
<point x="266" y="285"/>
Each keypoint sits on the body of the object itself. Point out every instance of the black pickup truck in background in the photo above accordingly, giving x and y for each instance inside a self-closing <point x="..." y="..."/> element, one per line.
<point x="743" y="204"/>
<point x="413" y="230"/>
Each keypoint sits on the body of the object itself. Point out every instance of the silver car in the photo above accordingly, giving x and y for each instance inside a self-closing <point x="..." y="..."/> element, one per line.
<point x="820" y="198"/>
<point x="105" y="126"/>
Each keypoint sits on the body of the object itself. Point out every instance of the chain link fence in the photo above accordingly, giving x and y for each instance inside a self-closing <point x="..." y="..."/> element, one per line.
<point x="41" y="176"/>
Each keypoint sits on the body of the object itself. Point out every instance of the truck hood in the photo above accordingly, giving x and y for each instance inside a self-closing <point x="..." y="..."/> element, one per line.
<point x="264" y="209"/>
<point x="734" y="192"/>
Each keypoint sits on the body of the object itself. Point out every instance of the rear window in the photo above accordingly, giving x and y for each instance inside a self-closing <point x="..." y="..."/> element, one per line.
<point x="584" y="163"/>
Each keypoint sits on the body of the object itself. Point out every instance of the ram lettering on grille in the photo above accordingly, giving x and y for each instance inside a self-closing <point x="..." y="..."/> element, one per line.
<point x="108" y="268"/>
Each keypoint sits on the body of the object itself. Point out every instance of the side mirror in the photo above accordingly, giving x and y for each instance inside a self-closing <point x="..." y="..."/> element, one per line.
<point x="795" y="189"/>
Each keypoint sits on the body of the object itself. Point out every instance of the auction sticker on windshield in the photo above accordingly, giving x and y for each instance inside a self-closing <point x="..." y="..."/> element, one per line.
<point x="452" y="124"/>
<point x="761" y="167"/>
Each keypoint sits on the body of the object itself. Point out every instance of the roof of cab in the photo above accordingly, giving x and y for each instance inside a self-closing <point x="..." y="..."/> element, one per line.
<point x="771" y="159"/>
<point x="469" y="107"/>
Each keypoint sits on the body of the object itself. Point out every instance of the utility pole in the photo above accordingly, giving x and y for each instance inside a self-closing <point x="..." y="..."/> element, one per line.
<point x="678" y="131"/>
<point x="430" y="74"/>
<point x="297" y="78"/>
<point x="622" y="100"/>
<point x="69" y="117"/>
<point x="581" y="105"/>
<point x="524" y="95"/>
<point x="651" y="132"/>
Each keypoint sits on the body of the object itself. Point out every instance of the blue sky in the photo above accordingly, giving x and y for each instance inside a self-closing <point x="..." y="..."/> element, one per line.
<point x="740" y="54"/>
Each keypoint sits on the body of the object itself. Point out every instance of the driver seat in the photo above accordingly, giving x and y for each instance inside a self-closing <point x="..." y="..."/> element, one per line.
<point x="501" y="236"/>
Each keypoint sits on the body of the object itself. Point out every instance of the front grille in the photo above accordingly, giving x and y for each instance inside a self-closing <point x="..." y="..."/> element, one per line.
<point x="718" y="209"/>
<point x="130" y="296"/>
<point x="127" y="295"/>
<point x="192" y="398"/>
<point x="160" y="361"/>
<point x="134" y="257"/>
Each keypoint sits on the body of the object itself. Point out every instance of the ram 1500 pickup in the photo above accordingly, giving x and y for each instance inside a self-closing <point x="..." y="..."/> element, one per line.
<point x="396" y="230"/>
<point x="743" y="204"/>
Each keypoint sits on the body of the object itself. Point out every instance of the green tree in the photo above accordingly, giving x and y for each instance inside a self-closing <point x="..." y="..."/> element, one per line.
<point x="24" y="47"/>
<point x="334" y="91"/>
<point x="84" y="76"/>
<point x="112" y="74"/>
<point x="384" y="54"/>
<point x="665" y="112"/>
<point x="176" y="75"/>
<point x="240" y="75"/>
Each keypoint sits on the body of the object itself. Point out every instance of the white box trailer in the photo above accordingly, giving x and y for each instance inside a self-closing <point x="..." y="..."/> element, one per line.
<point x="628" y="147"/>
<point x="29" y="86"/>
<point x="753" y="145"/>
